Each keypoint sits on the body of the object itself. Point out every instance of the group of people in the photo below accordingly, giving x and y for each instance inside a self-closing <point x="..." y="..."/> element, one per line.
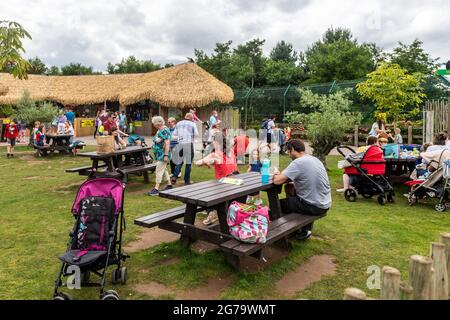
<point x="105" y="120"/>
<point x="173" y="145"/>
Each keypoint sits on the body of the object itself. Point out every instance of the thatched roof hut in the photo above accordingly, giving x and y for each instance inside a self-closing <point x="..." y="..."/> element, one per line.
<point x="3" y="90"/>
<point x="184" y="85"/>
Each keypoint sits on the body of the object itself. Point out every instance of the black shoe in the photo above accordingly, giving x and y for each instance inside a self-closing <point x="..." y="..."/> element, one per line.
<point x="169" y="187"/>
<point x="7" y="155"/>
<point x="12" y="155"/>
<point x="302" y="235"/>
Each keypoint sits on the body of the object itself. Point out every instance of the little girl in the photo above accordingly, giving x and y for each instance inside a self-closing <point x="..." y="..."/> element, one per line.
<point x="255" y="165"/>
<point x="224" y="163"/>
<point x="11" y="134"/>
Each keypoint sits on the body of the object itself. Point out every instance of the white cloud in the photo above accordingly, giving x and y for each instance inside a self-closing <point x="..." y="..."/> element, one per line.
<point x="96" y="32"/>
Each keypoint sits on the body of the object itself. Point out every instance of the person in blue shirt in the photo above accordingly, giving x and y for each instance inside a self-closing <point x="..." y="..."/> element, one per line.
<point x="255" y="165"/>
<point x="70" y="117"/>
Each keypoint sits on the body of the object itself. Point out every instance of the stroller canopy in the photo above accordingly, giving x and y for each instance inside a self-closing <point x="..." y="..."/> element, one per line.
<point x="372" y="161"/>
<point x="100" y="187"/>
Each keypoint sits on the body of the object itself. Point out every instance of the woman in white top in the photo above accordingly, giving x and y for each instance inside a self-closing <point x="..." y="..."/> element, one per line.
<point x="377" y="128"/>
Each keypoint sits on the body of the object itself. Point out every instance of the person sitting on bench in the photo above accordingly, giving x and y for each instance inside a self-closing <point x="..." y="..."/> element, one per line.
<point x="312" y="193"/>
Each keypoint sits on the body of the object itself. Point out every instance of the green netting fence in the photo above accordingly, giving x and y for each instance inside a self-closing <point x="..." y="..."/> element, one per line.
<point x="256" y="104"/>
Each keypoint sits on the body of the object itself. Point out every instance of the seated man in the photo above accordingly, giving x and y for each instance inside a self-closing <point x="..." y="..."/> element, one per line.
<point x="312" y="194"/>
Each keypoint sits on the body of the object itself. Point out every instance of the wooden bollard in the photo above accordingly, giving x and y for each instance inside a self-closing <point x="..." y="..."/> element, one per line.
<point x="445" y="239"/>
<point x="406" y="291"/>
<point x="390" y="284"/>
<point x="421" y="277"/>
<point x="437" y="253"/>
<point x="354" y="294"/>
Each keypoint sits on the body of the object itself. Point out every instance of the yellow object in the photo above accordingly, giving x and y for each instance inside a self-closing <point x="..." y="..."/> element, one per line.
<point x="87" y="123"/>
<point x="138" y="124"/>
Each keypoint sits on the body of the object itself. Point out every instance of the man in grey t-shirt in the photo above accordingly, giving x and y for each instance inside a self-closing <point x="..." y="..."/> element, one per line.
<point x="312" y="188"/>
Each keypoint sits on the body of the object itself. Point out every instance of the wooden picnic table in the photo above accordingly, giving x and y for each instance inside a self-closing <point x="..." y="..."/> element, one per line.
<point x="396" y="167"/>
<point x="131" y="160"/>
<point x="55" y="142"/>
<point x="218" y="196"/>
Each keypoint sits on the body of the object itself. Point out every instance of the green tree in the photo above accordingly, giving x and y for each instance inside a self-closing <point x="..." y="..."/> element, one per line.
<point x="132" y="65"/>
<point x="337" y="56"/>
<point x="233" y="69"/>
<point x="37" y="66"/>
<point x="28" y="111"/>
<point x="54" y="71"/>
<point x="327" y="125"/>
<point x="284" y="51"/>
<point x="393" y="90"/>
<point x="253" y="49"/>
<point x="11" y="49"/>
<point x="282" y="73"/>
<point x="413" y="58"/>
<point x="76" y="69"/>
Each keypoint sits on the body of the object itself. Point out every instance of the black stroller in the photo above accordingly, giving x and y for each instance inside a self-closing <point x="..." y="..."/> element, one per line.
<point x="367" y="184"/>
<point x="94" y="241"/>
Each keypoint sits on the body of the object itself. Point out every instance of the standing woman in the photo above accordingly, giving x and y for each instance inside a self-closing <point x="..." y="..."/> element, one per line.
<point x="11" y="134"/>
<point x="97" y="123"/>
<point x="161" y="148"/>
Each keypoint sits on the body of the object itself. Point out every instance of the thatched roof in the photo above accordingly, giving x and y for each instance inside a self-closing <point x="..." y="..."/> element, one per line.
<point x="3" y="89"/>
<point x="184" y="85"/>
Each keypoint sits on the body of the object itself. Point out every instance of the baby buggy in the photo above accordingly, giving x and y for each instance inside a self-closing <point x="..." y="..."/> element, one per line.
<point x="367" y="175"/>
<point x="435" y="185"/>
<point x="96" y="238"/>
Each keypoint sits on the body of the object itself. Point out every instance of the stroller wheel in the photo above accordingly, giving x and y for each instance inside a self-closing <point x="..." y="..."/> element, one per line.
<point x="110" y="296"/>
<point x="382" y="199"/>
<point x="62" y="296"/>
<point x="350" y="195"/>
<point x="440" y="207"/>
<point x="123" y="275"/>
<point x="391" y="198"/>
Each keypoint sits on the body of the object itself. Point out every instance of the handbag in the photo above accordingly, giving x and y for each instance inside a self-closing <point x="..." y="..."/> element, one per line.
<point x="248" y="223"/>
<point x="106" y="144"/>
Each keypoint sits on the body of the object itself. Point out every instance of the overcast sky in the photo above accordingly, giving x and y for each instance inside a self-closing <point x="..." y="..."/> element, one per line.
<point x="95" y="32"/>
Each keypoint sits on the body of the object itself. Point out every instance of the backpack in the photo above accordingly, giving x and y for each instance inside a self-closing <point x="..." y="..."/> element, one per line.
<point x="248" y="223"/>
<point x="264" y="124"/>
<point x="96" y="217"/>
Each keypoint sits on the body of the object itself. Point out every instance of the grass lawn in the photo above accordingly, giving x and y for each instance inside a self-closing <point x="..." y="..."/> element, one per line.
<point x="36" y="196"/>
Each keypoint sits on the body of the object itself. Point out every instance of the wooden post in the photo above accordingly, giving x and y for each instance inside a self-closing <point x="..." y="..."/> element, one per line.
<point x="390" y="284"/>
<point x="356" y="138"/>
<point x="354" y="294"/>
<point x="421" y="277"/>
<point x="410" y="134"/>
<point x="406" y="291"/>
<point x="445" y="239"/>
<point x="437" y="253"/>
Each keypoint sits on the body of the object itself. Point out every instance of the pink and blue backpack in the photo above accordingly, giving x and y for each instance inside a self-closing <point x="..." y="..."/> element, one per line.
<point x="248" y="223"/>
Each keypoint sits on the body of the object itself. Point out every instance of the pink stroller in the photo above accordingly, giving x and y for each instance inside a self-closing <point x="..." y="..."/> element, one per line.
<point x="94" y="242"/>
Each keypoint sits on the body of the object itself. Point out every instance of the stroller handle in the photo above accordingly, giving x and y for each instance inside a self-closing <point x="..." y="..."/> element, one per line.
<point x="341" y="148"/>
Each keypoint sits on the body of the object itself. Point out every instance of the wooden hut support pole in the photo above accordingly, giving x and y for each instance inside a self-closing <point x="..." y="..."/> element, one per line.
<point x="354" y="294"/>
<point x="390" y="284"/>
<point x="410" y="134"/>
<point x="421" y="277"/>
<point x="445" y="239"/>
<point x="437" y="253"/>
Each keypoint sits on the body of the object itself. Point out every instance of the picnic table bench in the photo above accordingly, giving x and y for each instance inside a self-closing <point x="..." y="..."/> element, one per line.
<point x="131" y="160"/>
<point x="218" y="196"/>
<point x="56" y="142"/>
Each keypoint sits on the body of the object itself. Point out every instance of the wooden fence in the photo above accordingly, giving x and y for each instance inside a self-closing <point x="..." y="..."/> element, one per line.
<point x="428" y="277"/>
<point x="436" y="116"/>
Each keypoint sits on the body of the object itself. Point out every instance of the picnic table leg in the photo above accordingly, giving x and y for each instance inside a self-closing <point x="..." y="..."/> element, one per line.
<point x="145" y="172"/>
<point x="222" y="214"/>
<point x="189" y="217"/>
<point x="275" y="213"/>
